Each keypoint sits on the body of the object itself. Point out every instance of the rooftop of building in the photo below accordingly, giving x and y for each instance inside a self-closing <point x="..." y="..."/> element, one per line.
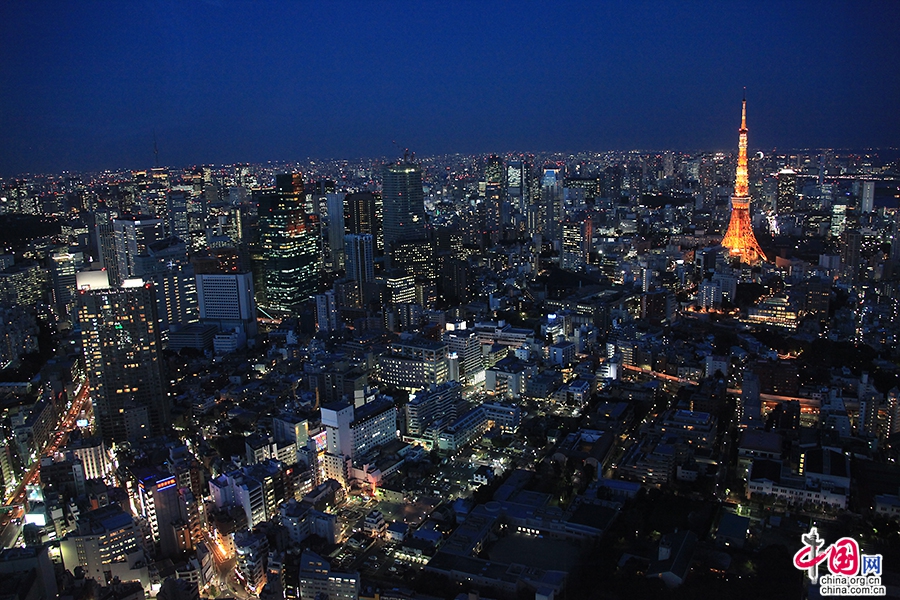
<point x="759" y="440"/>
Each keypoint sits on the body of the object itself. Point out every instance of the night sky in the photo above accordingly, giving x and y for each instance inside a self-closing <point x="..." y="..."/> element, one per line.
<point x="84" y="85"/>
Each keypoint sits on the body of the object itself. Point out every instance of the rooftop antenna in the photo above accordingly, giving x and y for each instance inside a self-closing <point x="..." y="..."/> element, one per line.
<point x="155" y="149"/>
<point x="406" y="152"/>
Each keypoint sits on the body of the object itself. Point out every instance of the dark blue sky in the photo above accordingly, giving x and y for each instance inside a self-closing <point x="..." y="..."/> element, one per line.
<point x="83" y="85"/>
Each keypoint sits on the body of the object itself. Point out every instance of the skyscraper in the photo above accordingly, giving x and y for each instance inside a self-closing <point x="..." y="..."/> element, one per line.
<point x="122" y="355"/>
<point x="867" y="200"/>
<point x="364" y="210"/>
<point x="132" y="236"/>
<point x="404" y="204"/>
<point x="517" y="184"/>
<point x="104" y="235"/>
<point x="289" y="237"/>
<point x="62" y="278"/>
<point x="739" y="238"/>
<point x="576" y="242"/>
<point x="360" y="258"/>
<point x="177" y="209"/>
<point x="335" y="205"/>
<point x="493" y="192"/>
<point x="165" y="264"/>
<point x="786" y="200"/>
<point x="552" y="202"/>
<point x="850" y="254"/>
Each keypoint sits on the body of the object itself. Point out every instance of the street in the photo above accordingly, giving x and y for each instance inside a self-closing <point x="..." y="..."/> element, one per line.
<point x="11" y="527"/>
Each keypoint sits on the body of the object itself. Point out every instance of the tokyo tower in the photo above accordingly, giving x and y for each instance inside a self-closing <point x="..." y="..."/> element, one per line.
<point x="739" y="238"/>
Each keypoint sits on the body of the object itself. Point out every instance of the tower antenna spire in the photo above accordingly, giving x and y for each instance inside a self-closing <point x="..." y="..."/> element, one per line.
<point x="744" y="111"/>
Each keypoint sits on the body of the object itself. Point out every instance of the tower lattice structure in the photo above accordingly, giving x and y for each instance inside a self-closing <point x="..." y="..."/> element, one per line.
<point x="739" y="238"/>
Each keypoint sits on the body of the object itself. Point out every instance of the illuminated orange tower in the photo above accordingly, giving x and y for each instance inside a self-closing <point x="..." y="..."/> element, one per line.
<point x="739" y="238"/>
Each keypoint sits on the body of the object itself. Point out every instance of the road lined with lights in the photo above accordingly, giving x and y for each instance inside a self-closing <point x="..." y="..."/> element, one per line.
<point x="12" y="526"/>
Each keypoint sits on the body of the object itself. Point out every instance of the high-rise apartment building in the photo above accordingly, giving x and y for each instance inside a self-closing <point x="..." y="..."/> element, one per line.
<point x="289" y="239"/>
<point x="165" y="264"/>
<point x="326" y="312"/>
<point x="122" y="354"/>
<point x="105" y="239"/>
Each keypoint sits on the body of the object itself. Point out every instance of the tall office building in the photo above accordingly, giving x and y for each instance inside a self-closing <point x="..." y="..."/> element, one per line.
<point x="122" y="355"/>
<point x="517" y="184"/>
<point x="493" y="192"/>
<point x="364" y="215"/>
<point x="359" y="258"/>
<point x="850" y="254"/>
<point x="164" y="263"/>
<point x="62" y="278"/>
<point x="552" y="202"/>
<point x="335" y="216"/>
<point x="786" y="198"/>
<point x="289" y="240"/>
<point x="105" y="239"/>
<point x="160" y="504"/>
<point x="466" y="346"/>
<point x="360" y="212"/>
<point x="404" y="204"/>
<point x="227" y="301"/>
<point x="177" y="214"/>
<point x="576" y="243"/>
<point x="415" y="257"/>
<point x="132" y="235"/>
<point x="867" y="200"/>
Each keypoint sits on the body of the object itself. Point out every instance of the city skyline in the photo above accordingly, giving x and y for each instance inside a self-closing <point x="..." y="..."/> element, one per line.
<point x="215" y="83"/>
<point x="656" y="356"/>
